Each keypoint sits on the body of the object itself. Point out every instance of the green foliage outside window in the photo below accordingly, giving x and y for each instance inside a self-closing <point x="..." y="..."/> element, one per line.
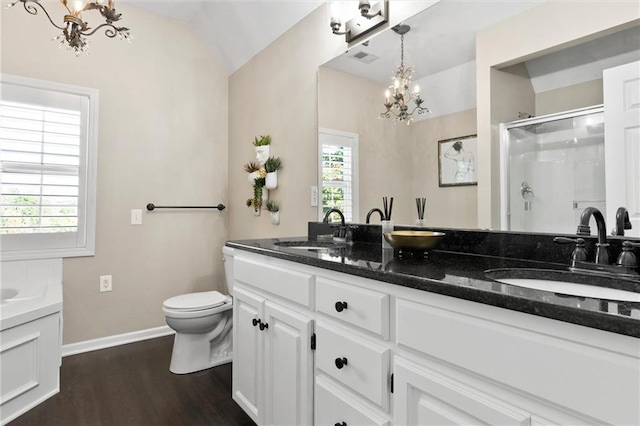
<point x="23" y="213"/>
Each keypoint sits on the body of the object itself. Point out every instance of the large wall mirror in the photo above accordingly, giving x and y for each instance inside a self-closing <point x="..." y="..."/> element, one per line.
<point x="403" y="160"/>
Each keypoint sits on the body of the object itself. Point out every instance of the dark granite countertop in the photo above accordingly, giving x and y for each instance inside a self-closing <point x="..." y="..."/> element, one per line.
<point x="461" y="275"/>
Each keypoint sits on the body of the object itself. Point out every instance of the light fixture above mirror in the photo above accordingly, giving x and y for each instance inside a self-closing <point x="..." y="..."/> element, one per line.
<point x="371" y="16"/>
<point x="399" y="95"/>
<point x="75" y="29"/>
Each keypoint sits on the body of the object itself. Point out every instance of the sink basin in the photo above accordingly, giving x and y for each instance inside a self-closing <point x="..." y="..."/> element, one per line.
<point x="310" y="245"/>
<point x="570" y="283"/>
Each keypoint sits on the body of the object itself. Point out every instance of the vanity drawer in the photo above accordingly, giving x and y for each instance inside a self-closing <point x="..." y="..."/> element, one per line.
<point x="355" y="306"/>
<point x="334" y="407"/>
<point x="357" y="363"/>
<point x="282" y="282"/>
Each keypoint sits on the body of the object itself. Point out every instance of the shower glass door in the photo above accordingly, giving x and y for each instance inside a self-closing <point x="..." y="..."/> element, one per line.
<point x="552" y="168"/>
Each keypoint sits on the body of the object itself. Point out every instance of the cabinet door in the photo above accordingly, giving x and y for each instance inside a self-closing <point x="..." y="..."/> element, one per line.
<point x="288" y="367"/>
<point x="425" y="397"/>
<point x="247" y="352"/>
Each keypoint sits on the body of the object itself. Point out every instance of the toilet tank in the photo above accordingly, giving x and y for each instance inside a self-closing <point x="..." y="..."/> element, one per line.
<point x="227" y="257"/>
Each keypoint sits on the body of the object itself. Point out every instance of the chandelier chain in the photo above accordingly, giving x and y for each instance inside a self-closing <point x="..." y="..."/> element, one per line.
<point x="402" y="51"/>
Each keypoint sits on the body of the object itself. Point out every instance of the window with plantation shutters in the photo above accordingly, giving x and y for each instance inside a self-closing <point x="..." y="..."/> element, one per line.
<point x="338" y="170"/>
<point x="47" y="169"/>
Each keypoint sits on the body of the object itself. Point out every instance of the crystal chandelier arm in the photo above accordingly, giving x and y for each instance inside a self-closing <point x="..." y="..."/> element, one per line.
<point x="421" y="110"/>
<point x="32" y="10"/>
<point x="110" y="32"/>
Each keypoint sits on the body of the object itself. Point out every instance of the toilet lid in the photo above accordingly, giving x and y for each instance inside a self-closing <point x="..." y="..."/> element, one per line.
<point x="195" y="301"/>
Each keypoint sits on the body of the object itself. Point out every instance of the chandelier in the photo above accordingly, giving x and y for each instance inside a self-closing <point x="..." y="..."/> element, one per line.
<point x="399" y="95"/>
<point x="75" y="30"/>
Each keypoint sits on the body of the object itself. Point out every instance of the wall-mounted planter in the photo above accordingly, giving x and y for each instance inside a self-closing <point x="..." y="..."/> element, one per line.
<point x="271" y="181"/>
<point x="253" y="176"/>
<point x="262" y="153"/>
<point x="256" y="212"/>
<point x="275" y="218"/>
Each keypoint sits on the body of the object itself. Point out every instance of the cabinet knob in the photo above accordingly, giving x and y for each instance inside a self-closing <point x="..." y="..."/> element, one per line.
<point x="255" y="321"/>
<point x="341" y="424"/>
<point x="340" y="362"/>
<point x="263" y="325"/>
<point x="340" y="306"/>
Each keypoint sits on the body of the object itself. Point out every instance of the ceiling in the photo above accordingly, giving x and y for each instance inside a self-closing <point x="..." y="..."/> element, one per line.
<point x="441" y="49"/>
<point x="234" y="30"/>
<point x="442" y="37"/>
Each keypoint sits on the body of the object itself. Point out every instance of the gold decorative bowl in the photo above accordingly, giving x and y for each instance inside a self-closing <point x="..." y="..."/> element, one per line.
<point x="414" y="240"/>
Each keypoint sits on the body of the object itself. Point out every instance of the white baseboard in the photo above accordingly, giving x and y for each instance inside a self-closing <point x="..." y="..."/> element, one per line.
<point x="118" y="339"/>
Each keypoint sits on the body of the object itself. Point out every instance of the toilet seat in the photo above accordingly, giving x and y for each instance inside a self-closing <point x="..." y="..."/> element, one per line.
<point x="195" y="301"/>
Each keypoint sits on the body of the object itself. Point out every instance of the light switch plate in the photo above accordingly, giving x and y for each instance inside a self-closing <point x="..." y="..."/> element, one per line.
<point x="136" y="216"/>
<point x="314" y="196"/>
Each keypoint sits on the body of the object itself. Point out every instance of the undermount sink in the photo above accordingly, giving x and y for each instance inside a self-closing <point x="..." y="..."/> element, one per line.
<point x="310" y="245"/>
<point x="570" y="283"/>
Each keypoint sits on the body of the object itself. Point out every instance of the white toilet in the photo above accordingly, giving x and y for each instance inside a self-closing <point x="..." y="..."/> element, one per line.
<point x="202" y="322"/>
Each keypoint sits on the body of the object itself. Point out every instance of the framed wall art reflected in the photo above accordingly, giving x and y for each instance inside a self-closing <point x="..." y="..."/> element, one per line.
<point x="457" y="160"/>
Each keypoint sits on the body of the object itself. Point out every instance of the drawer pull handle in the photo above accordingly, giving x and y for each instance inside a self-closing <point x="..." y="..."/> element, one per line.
<point x="340" y="306"/>
<point x="340" y="362"/>
<point x="263" y="325"/>
<point x="255" y="321"/>
<point x="341" y="424"/>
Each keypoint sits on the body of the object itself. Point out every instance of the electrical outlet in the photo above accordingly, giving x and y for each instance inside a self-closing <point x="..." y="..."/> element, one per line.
<point x="105" y="283"/>
<point x="314" y="196"/>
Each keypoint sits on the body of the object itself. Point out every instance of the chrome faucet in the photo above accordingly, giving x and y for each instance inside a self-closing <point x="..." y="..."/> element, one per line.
<point x="374" y="210"/>
<point x="622" y="221"/>
<point x="602" y="255"/>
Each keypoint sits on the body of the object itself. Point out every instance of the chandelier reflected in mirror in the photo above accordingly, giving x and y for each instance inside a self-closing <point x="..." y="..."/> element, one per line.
<point x="75" y="30"/>
<point x="399" y="98"/>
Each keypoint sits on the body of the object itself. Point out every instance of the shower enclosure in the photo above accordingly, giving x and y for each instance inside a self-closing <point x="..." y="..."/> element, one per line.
<point x="552" y="167"/>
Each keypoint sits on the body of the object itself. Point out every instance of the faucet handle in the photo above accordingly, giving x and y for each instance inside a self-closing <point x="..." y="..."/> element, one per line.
<point x="626" y="257"/>
<point x="579" y="253"/>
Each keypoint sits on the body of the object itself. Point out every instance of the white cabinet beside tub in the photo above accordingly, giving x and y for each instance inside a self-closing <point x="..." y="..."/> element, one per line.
<point x="392" y="355"/>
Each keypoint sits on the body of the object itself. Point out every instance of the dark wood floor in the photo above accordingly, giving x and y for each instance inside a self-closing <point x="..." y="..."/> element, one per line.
<point x="131" y="385"/>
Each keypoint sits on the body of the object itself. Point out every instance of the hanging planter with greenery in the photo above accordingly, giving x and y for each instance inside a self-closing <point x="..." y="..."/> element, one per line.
<point x="274" y="210"/>
<point x="271" y="166"/>
<point x="253" y="168"/>
<point x="256" y="201"/>
<point x="261" y="145"/>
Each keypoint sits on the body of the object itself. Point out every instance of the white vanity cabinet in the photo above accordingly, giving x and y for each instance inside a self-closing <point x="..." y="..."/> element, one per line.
<point x="459" y="362"/>
<point x="353" y="356"/>
<point x="273" y="361"/>
<point x="425" y="396"/>
<point x="387" y="354"/>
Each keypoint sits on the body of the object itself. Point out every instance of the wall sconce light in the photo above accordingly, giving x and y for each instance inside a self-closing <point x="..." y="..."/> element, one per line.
<point x="75" y="30"/>
<point x="370" y="18"/>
